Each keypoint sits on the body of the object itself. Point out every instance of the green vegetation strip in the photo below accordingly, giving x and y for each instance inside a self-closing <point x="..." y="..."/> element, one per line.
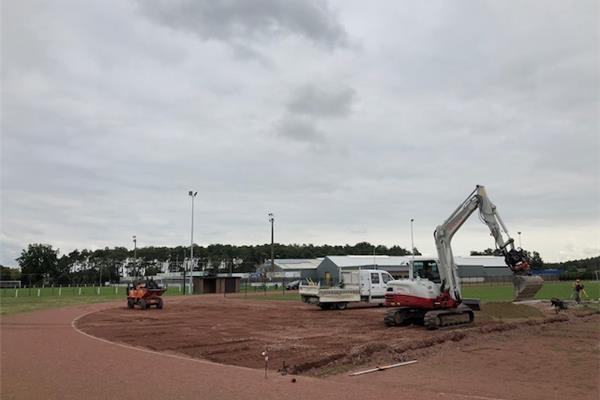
<point x="561" y="290"/>
<point x="28" y="299"/>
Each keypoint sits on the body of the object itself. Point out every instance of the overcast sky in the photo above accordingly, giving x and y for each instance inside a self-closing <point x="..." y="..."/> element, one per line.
<point x="343" y="118"/>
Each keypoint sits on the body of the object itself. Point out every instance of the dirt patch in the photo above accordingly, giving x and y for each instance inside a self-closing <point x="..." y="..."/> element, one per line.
<point x="310" y="341"/>
<point x="507" y="311"/>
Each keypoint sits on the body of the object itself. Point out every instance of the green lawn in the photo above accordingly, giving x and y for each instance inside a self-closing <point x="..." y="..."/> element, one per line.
<point x="28" y="299"/>
<point x="562" y="290"/>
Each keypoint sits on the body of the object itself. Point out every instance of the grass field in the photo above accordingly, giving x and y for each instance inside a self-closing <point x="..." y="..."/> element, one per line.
<point x="28" y="299"/>
<point x="562" y="290"/>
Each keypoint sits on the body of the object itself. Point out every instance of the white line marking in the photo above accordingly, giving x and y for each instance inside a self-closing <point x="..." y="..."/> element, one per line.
<point x="471" y="396"/>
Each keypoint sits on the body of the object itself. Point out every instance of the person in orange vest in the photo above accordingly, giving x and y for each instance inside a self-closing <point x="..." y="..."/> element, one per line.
<point x="578" y="288"/>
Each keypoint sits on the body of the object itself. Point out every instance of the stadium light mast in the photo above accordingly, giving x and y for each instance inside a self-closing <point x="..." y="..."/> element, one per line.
<point x="135" y="253"/>
<point x="272" y="220"/>
<point x="192" y="194"/>
<point x="412" y="250"/>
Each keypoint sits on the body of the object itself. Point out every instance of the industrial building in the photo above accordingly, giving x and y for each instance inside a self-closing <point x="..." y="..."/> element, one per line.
<point x="292" y="268"/>
<point x="470" y="268"/>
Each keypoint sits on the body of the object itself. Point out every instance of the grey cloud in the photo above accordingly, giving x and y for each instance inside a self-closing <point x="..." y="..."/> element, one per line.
<point x="322" y="101"/>
<point x="236" y="20"/>
<point x="301" y="129"/>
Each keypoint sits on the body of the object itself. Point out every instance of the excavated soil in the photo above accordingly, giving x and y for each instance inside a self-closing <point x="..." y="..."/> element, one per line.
<point x="312" y="341"/>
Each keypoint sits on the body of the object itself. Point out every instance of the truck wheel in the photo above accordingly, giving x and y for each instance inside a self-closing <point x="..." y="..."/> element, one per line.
<point x="159" y="304"/>
<point x="341" y="306"/>
<point x="325" y="306"/>
<point x="130" y="303"/>
<point x="143" y="304"/>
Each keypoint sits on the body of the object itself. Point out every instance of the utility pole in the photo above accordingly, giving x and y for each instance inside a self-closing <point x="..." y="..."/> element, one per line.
<point x="520" y="246"/>
<point x="135" y="255"/>
<point x="272" y="220"/>
<point x="192" y="194"/>
<point x="412" y="250"/>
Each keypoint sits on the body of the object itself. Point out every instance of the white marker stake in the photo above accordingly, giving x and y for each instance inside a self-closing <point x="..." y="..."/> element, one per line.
<point x="39" y="292"/>
<point x="60" y="291"/>
<point x="16" y="292"/>
<point x="116" y="290"/>
<point x="79" y="290"/>
<point x="266" y="356"/>
<point x="98" y="290"/>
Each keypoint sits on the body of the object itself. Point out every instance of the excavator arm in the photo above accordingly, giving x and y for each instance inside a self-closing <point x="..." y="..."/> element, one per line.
<point x="525" y="286"/>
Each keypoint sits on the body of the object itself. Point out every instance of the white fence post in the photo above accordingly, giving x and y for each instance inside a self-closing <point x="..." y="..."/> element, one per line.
<point x="79" y="290"/>
<point x="39" y="290"/>
<point x="60" y="290"/>
<point x="16" y="292"/>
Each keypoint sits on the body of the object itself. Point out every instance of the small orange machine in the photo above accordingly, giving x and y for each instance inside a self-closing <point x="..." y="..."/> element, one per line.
<point x="145" y="294"/>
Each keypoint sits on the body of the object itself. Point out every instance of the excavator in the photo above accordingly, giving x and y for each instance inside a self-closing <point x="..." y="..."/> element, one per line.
<point x="431" y="296"/>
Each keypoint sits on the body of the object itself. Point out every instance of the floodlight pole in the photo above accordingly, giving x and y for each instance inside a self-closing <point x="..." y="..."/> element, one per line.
<point x="192" y="194"/>
<point x="520" y="246"/>
<point x="135" y="254"/>
<point x="412" y="250"/>
<point x="272" y="220"/>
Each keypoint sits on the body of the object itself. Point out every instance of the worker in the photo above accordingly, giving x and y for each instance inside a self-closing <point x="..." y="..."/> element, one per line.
<point x="578" y="288"/>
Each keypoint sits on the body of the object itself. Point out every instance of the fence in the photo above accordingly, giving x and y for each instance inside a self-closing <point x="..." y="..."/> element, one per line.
<point x="117" y="290"/>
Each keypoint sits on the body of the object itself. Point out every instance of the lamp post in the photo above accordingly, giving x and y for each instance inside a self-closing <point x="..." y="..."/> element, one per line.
<point x="272" y="220"/>
<point x="135" y="254"/>
<point x="520" y="246"/>
<point x="192" y="194"/>
<point x="412" y="249"/>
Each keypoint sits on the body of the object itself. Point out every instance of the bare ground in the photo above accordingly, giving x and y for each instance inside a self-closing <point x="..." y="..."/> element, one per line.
<point x="507" y="344"/>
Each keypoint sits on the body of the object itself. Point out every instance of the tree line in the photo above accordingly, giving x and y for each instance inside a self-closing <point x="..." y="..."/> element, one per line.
<point x="41" y="263"/>
<point x="535" y="259"/>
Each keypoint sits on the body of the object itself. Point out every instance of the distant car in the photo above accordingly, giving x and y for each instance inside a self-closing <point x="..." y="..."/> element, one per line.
<point x="293" y="285"/>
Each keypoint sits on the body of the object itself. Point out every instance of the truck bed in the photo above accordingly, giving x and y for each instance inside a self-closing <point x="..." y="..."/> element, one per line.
<point x="315" y="294"/>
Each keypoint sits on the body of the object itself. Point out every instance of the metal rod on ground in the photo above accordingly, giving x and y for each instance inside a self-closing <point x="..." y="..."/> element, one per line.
<point x="368" y="371"/>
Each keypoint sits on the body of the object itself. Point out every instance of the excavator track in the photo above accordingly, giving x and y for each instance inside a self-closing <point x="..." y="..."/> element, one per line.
<point x="461" y="315"/>
<point x="404" y="316"/>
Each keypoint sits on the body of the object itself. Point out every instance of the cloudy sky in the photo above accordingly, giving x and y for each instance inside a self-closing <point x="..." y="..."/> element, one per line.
<point x="343" y="118"/>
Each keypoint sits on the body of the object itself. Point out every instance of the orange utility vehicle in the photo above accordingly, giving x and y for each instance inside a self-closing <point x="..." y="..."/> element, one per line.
<point x="145" y="294"/>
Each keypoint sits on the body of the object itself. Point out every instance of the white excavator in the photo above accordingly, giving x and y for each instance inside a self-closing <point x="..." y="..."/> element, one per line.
<point x="432" y="295"/>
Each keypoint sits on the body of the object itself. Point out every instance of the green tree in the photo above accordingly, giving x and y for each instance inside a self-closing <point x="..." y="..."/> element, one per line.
<point x="9" y="274"/>
<point x="38" y="262"/>
<point x="487" y="252"/>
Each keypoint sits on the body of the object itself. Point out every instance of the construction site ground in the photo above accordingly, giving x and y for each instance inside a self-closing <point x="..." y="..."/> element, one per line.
<point x="512" y="351"/>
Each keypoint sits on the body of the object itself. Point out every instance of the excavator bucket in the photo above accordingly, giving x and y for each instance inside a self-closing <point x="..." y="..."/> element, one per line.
<point x="526" y="286"/>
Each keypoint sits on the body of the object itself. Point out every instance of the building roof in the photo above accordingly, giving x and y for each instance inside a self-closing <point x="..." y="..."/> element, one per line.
<point x="364" y="261"/>
<point x="291" y="264"/>
<point x="389" y="261"/>
<point x="482" y="261"/>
